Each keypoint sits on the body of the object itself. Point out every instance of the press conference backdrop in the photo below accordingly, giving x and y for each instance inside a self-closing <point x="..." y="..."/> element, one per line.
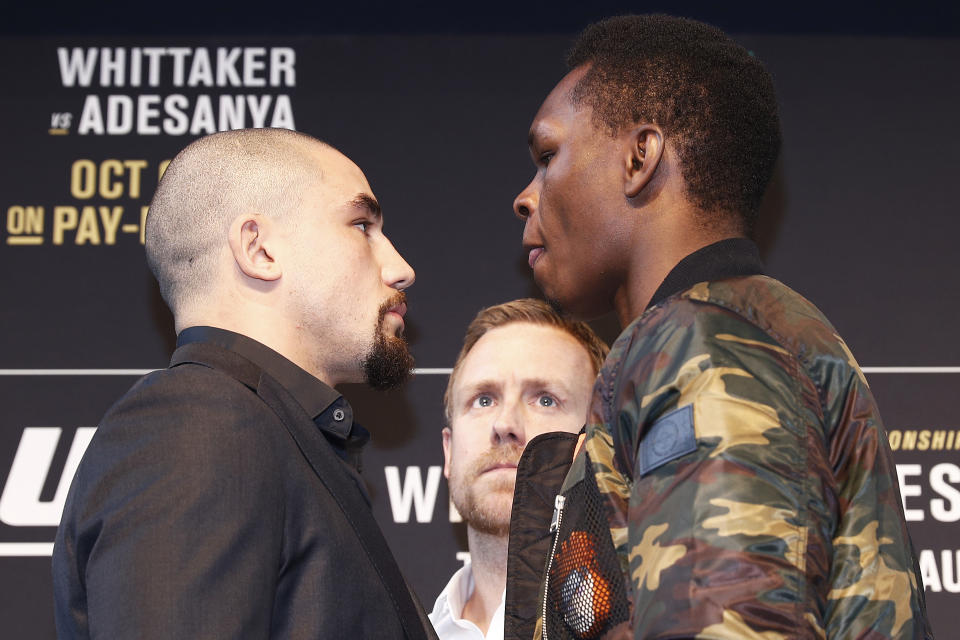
<point x="862" y="219"/>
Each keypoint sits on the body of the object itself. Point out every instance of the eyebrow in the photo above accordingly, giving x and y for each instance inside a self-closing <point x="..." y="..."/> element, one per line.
<point x="538" y="131"/>
<point x="543" y="383"/>
<point x="531" y="136"/>
<point x="491" y="384"/>
<point x="368" y="202"/>
<point x="486" y="384"/>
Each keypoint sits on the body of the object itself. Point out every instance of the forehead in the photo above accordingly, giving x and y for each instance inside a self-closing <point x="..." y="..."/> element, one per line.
<point x="337" y="175"/>
<point x="558" y="110"/>
<point x="521" y="351"/>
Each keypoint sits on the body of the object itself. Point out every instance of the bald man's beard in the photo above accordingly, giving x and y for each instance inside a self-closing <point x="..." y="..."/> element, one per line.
<point x="485" y="502"/>
<point x="388" y="364"/>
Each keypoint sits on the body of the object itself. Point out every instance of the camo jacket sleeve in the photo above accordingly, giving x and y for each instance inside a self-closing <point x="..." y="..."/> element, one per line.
<point x="752" y="493"/>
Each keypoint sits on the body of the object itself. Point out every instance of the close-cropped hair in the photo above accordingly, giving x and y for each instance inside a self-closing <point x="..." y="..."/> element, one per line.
<point x="713" y="99"/>
<point x="206" y="185"/>
<point x="530" y="311"/>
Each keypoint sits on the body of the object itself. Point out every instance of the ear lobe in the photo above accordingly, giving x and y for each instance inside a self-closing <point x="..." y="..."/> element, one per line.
<point x="251" y="246"/>
<point x="644" y="153"/>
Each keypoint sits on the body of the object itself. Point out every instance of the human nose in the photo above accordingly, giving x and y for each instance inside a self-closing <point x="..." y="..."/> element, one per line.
<point x="525" y="204"/>
<point x="395" y="271"/>
<point x="508" y="424"/>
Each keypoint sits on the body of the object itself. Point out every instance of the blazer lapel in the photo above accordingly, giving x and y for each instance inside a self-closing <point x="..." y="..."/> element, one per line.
<point x="356" y="510"/>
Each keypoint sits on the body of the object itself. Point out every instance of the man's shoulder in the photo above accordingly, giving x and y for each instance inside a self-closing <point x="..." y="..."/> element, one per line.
<point x="747" y="336"/>
<point x="687" y="331"/>
<point x="757" y="301"/>
<point x="757" y="313"/>
<point x="187" y="416"/>
<point x="184" y="391"/>
<point x="771" y="306"/>
<point x="788" y="320"/>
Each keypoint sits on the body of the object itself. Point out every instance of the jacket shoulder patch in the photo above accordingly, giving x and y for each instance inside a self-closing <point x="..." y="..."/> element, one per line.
<point x="667" y="439"/>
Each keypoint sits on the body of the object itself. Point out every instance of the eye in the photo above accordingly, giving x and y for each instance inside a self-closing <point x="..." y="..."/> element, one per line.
<point x="545" y="158"/>
<point x="482" y="401"/>
<point x="363" y="225"/>
<point x="546" y="400"/>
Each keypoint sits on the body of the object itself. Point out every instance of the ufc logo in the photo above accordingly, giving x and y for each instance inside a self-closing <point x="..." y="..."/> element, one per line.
<point x="20" y="504"/>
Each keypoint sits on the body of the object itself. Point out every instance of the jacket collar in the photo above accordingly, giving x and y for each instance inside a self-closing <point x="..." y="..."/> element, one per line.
<point x="730" y="258"/>
<point x="313" y="395"/>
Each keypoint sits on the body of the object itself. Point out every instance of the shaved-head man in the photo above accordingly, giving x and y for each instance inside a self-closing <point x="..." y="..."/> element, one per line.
<point x="523" y="371"/>
<point x="220" y="498"/>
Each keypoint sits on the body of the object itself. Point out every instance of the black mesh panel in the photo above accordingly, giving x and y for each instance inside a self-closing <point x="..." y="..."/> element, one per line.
<point x="585" y="592"/>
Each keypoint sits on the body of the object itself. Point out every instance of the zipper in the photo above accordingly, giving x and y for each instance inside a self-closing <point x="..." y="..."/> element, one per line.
<point x="555" y="530"/>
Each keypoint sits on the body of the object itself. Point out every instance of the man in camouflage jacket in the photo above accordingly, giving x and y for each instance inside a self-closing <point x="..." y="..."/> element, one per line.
<point x="735" y="480"/>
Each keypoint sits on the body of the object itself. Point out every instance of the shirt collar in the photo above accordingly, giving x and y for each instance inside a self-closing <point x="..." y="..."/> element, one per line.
<point x="458" y="591"/>
<point x="447" y="615"/>
<point x="728" y="258"/>
<point x="325" y="406"/>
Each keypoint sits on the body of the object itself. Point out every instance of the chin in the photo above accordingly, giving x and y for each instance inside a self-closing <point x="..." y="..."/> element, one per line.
<point x="492" y="521"/>
<point x="557" y="301"/>
<point x="577" y="307"/>
<point x="577" y="301"/>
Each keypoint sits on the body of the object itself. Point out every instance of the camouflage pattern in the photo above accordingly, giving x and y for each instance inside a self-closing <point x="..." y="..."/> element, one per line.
<point x="786" y="519"/>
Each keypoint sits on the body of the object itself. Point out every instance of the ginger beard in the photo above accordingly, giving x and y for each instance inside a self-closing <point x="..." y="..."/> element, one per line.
<point x="485" y="500"/>
<point x="388" y="364"/>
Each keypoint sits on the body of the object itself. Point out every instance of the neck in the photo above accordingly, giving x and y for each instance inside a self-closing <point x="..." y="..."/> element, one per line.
<point x="653" y="260"/>
<point x="488" y="561"/>
<point x="261" y="325"/>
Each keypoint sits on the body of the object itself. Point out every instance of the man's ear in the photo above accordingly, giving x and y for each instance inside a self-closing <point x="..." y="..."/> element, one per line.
<point x="643" y="156"/>
<point x="252" y="247"/>
<point x="446" y="434"/>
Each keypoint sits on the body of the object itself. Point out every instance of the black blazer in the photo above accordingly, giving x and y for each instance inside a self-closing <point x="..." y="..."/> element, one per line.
<point x="209" y="505"/>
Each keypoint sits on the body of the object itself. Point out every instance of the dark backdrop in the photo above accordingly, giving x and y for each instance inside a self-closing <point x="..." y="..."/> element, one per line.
<point x="861" y="219"/>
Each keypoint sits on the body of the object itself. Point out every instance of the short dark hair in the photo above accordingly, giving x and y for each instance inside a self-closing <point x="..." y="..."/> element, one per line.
<point x="531" y="311"/>
<point x="713" y="99"/>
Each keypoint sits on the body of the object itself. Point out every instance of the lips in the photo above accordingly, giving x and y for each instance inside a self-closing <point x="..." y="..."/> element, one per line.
<point x="396" y="307"/>
<point x="532" y="242"/>
<point x="501" y="465"/>
<point x="534" y="255"/>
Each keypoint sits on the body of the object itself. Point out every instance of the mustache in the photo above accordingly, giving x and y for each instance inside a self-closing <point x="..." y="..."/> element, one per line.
<point x="504" y="454"/>
<point x="393" y="301"/>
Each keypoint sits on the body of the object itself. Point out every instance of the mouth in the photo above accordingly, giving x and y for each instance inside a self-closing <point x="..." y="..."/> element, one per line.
<point x="534" y="255"/>
<point x="395" y="311"/>
<point x="501" y="466"/>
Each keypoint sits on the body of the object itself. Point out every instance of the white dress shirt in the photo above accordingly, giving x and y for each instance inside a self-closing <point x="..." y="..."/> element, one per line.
<point x="447" y="611"/>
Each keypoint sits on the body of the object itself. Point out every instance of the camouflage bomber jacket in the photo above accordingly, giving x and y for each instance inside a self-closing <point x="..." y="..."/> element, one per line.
<point x="745" y="476"/>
